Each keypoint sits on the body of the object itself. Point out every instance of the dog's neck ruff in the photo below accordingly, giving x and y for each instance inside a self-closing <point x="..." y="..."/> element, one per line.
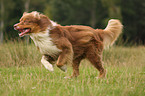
<point x="44" y="42"/>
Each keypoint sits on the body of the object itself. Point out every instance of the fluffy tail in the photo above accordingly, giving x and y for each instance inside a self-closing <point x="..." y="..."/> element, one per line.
<point x="111" y="32"/>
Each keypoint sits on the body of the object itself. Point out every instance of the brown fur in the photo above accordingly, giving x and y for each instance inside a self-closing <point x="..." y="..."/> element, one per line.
<point x="85" y="42"/>
<point x="76" y="42"/>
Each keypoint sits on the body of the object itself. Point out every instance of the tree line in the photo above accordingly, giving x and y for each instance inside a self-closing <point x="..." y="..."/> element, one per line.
<point x="94" y="13"/>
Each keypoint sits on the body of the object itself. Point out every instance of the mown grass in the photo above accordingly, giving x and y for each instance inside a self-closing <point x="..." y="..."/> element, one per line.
<point x="22" y="74"/>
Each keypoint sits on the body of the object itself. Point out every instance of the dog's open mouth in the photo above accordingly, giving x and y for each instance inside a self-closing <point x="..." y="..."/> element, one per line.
<point x="24" y="31"/>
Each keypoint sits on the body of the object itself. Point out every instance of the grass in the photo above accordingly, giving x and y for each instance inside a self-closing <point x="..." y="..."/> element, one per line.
<point x="22" y="74"/>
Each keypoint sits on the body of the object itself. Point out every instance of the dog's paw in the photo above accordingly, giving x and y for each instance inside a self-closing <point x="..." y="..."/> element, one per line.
<point x="49" y="67"/>
<point x="46" y="64"/>
<point x="63" y="68"/>
<point x="97" y="77"/>
<point x="67" y="77"/>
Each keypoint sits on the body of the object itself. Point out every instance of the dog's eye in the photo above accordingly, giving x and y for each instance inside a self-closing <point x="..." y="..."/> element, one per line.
<point x="29" y="21"/>
<point x="25" y="21"/>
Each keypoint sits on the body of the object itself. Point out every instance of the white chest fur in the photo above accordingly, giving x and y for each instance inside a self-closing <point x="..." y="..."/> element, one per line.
<point x="43" y="41"/>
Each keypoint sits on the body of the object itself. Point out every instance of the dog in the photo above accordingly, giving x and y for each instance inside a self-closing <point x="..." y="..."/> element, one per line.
<point x="68" y="44"/>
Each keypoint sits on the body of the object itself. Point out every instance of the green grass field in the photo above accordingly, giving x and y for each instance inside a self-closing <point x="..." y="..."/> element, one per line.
<point x="22" y="74"/>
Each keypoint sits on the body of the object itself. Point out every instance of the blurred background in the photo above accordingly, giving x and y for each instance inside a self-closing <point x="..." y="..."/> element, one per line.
<point x="94" y="13"/>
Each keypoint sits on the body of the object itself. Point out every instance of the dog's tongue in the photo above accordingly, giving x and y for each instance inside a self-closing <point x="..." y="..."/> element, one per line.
<point x="23" y="32"/>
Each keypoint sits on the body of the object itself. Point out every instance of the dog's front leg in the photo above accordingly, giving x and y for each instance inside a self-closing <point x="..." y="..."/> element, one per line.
<point x="46" y="64"/>
<point x="66" y="56"/>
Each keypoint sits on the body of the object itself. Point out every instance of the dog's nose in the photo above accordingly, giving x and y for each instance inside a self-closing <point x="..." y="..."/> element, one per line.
<point x="15" y="25"/>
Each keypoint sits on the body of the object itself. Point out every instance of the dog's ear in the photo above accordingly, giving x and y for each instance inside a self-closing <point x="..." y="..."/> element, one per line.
<point x="44" y="22"/>
<point x="24" y="13"/>
<point x="36" y="14"/>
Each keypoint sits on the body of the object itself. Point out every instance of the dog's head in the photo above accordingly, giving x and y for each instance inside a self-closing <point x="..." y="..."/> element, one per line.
<point x="33" y="22"/>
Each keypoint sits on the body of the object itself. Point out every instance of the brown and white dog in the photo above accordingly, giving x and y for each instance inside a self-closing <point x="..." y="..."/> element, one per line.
<point x="68" y="44"/>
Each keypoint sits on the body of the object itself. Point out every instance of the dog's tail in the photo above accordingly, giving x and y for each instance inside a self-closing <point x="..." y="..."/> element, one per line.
<point x="111" y="32"/>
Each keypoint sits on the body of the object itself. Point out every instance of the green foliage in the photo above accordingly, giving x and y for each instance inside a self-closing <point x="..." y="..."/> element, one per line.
<point x="95" y="13"/>
<point x="77" y="12"/>
<point x="133" y="19"/>
<point x="37" y="81"/>
<point x="113" y="6"/>
<point x="22" y="74"/>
